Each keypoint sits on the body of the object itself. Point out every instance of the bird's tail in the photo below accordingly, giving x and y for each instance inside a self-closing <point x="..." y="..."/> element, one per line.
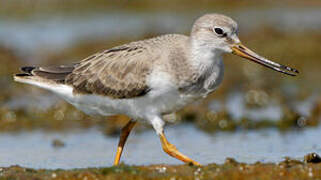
<point x="44" y="77"/>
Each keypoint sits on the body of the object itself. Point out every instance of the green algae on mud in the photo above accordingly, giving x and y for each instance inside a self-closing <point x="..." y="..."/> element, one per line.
<point x="231" y="169"/>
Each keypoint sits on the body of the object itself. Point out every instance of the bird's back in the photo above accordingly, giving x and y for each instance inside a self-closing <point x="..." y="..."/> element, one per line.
<point x="119" y="72"/>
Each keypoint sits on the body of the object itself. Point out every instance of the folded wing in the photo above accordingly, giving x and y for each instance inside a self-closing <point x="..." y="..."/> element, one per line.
<point x="119" y="73"/>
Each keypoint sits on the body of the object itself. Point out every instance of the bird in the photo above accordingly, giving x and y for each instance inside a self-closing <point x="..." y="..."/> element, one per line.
<point x="148" y="79"/>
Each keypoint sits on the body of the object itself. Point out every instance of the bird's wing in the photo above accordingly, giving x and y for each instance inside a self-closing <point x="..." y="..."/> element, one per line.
<point x="118" y="73"/>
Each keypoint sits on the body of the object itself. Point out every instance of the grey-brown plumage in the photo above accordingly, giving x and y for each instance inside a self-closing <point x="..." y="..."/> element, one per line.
<point x="120" y="72"/>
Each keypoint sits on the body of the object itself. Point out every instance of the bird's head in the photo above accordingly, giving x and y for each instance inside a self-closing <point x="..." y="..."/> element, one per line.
<point x="218" y="33"/>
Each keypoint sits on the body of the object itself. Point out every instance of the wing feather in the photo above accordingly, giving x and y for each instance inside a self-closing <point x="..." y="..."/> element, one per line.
<point x="119" y="73"/>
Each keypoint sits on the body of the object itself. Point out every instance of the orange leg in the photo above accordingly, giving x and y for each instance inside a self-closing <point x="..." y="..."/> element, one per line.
<point x="123" y="137"/>
<point x="171" y="150"/>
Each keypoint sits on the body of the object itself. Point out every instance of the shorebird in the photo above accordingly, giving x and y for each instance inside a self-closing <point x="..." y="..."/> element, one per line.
<point x="148" y="79"/>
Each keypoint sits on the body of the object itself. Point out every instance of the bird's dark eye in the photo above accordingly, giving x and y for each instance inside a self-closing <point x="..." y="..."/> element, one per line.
<point x="219" y="31"/>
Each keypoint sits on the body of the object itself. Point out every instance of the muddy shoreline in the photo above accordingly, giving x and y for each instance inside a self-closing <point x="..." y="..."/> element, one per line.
<point x="231" y="169"/>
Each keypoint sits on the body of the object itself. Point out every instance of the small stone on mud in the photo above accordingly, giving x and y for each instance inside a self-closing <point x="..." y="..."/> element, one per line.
<point x="53" y="175"/>
<point x="56" y="143"/>
<point x="161" y="169"/>
<point x="312" y="158"/>
<point x="231" y="161"/>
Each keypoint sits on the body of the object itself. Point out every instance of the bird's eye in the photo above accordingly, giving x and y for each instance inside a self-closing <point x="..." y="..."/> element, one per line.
<point x="219" y="31"/>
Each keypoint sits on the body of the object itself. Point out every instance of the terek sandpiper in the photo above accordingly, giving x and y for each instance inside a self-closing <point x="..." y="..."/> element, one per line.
<point x="151" y="78"/>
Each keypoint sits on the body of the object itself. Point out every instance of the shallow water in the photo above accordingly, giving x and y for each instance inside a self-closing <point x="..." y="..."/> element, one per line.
<point x="92" y="149"/>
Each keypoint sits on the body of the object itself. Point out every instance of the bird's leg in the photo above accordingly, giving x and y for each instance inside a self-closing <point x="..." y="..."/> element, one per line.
<point x="123" y="137"/>
<point x="171" y="150"/>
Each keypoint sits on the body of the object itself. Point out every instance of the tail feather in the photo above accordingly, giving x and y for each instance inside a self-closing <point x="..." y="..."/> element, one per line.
<point x="27" y="69"/>
<point x="57" y="74"/>
<point x="21" y="75"/>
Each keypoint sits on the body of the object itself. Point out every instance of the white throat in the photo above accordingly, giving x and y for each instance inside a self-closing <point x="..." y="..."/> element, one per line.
<point x="203" y="57"/>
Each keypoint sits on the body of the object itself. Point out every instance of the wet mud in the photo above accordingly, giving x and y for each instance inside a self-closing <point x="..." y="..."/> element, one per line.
<point x="231" y="169"/>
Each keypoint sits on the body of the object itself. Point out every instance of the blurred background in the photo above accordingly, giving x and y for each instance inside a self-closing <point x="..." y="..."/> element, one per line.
<point x="252" y="100"/>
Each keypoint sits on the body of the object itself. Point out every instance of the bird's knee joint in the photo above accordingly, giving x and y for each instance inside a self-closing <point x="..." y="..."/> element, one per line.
<point x="169" y="148"/>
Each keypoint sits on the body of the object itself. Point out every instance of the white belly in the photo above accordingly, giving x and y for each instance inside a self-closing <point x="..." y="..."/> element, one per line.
<point x="139" y="108"/>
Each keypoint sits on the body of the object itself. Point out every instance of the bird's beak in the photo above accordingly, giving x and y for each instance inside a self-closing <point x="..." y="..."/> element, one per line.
<point x="240" y="50"/>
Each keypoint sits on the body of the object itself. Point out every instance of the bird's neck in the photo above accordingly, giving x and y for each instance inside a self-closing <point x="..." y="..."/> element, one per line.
<point x="202" y="57"/>
<point x="206" y="69"/>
